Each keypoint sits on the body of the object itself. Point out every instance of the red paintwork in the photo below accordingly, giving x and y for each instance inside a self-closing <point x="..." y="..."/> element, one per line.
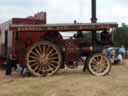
<point x="17" y="48"/>
<point x="28" y="21"/>
<point x="24" y="42"/>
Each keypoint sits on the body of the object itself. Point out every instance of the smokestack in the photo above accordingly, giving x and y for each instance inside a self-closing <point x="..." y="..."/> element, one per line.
<point x="93" y="19"/>
<point x="93" y="5"/>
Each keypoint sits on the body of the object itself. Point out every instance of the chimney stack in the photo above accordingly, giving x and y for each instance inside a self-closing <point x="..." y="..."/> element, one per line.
<point x="93" y="5"/>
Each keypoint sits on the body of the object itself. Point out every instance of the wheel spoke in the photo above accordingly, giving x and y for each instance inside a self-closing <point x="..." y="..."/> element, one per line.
<point x="30" y="61"/>
<point x="44" y="49"/>
<point x="40" y="68"/>
<point x="94" y="61"/>
<point x="104" y="65"/>
<point x="34" y="53"/>
<point x="48" y="66"/>
<point x="53" y="58"/>
<point x="48" y="49"/>
<point x="45" y="68"/>
<point x="53" y="55"/>
<point x="101" y="60"/>
<point x="97" y="58"/>
<point x="52" y="65"/>
<point x="99" y="68"/>
<point x="37" y="51"/>
<point x="33" y="57"/>
<point x="52" y="61"/>
<point x="33" y="64"/>
<point x="49" y="53"/>
<point x="36" y="67"/>
<point x="40" y="50"/>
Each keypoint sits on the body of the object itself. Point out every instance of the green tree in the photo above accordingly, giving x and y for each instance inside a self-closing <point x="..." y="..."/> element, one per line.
<point x="121" y="36"/>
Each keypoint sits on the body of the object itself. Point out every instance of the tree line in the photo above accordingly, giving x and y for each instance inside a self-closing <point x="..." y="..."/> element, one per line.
<point x="121" y="36"/>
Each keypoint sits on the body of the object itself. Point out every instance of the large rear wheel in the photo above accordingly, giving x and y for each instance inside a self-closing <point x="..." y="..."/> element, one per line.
<point x="99" y="65"/>
<point x="43" y="59"/>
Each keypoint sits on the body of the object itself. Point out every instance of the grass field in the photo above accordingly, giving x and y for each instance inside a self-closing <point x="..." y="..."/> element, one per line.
<point x="67" y="82"/>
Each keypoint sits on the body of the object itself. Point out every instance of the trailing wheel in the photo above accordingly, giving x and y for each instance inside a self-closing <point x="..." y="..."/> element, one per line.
<point x="43" y="59"/>
<point x="99" y="65"/>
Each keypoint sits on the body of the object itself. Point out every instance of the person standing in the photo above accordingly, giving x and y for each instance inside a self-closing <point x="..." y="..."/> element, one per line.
<point x="122" y="51"/>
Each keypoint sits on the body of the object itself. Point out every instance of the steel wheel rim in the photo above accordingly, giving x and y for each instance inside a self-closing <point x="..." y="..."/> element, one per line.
<point x="43" y="59"/>
<point x="99" y="65"/>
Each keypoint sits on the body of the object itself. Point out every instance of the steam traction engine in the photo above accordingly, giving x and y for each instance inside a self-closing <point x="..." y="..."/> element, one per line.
<point x="41" y="48"/>
<point x="51" y="51"/>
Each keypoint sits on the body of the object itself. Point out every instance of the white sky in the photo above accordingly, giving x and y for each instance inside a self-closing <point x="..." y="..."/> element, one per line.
<point x="66" y="11"/>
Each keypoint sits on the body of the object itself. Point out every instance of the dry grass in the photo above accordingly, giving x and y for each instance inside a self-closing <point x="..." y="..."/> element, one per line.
<point x="67" y="83"/>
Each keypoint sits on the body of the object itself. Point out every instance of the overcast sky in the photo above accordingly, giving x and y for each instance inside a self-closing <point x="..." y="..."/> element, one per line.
<point x="66" y="11"/>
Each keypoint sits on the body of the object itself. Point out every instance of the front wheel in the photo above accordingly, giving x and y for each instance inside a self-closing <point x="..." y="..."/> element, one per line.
<point x="99" y="65"/>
